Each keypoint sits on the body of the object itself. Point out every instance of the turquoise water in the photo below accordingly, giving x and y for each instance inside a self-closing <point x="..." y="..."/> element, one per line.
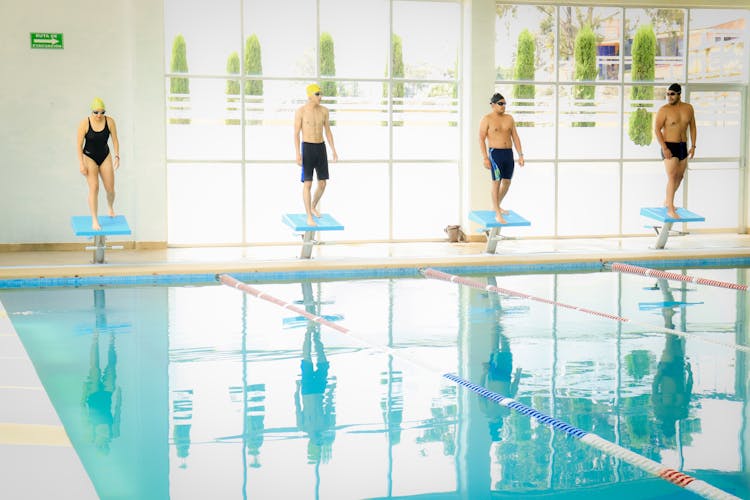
<point x="206" y="392"/>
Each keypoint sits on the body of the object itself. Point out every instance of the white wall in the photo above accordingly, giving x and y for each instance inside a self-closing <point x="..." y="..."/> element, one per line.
<point x="112" y="50"/>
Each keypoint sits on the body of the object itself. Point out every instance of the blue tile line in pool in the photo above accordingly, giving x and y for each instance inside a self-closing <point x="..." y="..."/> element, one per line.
<point x="369" y="273"/>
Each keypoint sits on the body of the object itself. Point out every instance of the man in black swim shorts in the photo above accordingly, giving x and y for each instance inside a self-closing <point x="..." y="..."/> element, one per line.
<point x="311" y="120"/>
<point x="670" y="127"/>
<point x="497" y="136"/>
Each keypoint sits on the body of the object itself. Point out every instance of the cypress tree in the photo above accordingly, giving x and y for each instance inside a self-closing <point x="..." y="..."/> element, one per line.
<point x="397" y="65"/>
<point x="233" y="68"/>
<point x="524" y="70"/>
<point x="643" y="70"/>
<point x="233" y="88"/>
<point x="179" y="85"/>
<point x="327" y="64"/>
<point x="585" y="69"/>
<point x="253" y="65"/>
<point x="397" y="71"/>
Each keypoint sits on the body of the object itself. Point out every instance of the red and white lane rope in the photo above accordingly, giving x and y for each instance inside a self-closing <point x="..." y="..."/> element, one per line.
<point x="675" y="477"/>
<point x="235" y="283"/>
<point x="644" y="271"/>
<point x="434" y="273"/>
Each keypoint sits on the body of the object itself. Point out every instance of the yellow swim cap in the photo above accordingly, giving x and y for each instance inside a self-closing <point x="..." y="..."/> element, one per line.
<point x="97" y="103"/>
<point x="312" y="88"/>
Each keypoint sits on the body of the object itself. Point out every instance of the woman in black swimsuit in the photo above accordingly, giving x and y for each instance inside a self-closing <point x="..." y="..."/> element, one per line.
<point x="95" y="159"/>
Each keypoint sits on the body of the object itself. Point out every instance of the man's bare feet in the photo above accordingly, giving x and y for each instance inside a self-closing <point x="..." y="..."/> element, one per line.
<point x="311" y="221"/>
<point x="95" y="225"/>
<point x="672" y="213"/>
<point x="499" y="217"/>
<point x="503" y="211"/>
<point x="315" y="211"/>
<point x="111" y="212"/>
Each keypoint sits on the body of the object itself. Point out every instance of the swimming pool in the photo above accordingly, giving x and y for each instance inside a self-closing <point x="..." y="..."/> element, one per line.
<point x="205" y="391"/>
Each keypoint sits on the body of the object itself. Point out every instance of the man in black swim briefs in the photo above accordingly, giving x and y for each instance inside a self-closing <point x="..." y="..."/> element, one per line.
<point x="670" y="127"/>
<point x="311" y="121"/>
<point x="95" y="160"/>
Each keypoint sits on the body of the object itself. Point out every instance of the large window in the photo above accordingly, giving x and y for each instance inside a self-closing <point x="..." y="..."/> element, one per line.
<point x="235" y="74"/>
<point x="584" y="82"/>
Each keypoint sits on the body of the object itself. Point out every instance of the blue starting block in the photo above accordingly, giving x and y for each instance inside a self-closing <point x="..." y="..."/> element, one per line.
<point x="668" y="304"/>
<point x="660" y="214"/>
<point x="298" y="223"/>
<point x="491" y="227"/>
<point x="111" y="226"/>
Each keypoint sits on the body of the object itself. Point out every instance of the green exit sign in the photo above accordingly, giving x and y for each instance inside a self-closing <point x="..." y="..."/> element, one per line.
<point x="46" y="40"/>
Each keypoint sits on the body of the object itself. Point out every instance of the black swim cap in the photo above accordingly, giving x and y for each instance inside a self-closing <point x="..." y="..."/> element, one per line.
<point x="675" y="87"/>
<point x="496" y="98"/>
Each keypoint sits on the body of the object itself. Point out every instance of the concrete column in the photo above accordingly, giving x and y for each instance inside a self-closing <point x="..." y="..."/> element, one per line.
<point x="478" y="75"/>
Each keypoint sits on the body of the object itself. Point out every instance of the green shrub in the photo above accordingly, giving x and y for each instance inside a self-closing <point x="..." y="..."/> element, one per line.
<point x="179" y="85"/>
<point x="585" y="69"/>
<point x="643" y="70"/>
<point x="233" y="89"/>
<point x="253" y="65"/>
<point x="524" y="70"/>
<point x="233" y="68"/>
<point x="327" y="65"/>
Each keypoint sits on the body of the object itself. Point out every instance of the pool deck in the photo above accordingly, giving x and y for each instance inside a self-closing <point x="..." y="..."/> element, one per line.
<point x="32" y="439"/>
<point x="333" y="257"/>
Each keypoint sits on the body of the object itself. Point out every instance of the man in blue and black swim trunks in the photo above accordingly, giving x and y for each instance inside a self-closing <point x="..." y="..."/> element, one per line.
<point x="311" y="120"/>
<point x="670" y="127"/>
<point x="497" y="133"/>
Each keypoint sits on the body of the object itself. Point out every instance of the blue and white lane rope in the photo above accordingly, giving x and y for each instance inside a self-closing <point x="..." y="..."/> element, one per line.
<point x="673" y="476"/>
<point x="439" y="275"/>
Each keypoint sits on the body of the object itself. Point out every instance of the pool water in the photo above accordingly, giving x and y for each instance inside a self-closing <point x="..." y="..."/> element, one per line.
<point x="208" y="392"/>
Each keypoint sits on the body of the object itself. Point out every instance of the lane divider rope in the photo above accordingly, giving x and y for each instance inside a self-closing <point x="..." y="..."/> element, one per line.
<point x="439" y="275"/>
<point x="675" y="477"/>
<point x="644" y="271"/>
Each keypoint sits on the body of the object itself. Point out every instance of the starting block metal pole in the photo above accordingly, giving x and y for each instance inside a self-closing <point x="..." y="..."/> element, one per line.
<point x="100" y="247"/>
<point x="493" y="236"/>
<point x="663" y="234"/>
<point x="308" y="241"/>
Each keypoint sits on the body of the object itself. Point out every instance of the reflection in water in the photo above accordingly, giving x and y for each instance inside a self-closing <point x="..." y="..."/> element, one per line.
<point x="182" y="416"/>
<point x="498" y="375"/>
<point x="441" y="427"/>
<point x="673" y="383"/>
<point x="255" y="421"/>
<point x="672" y="386"/>
<point x="313" y="398"/>
<point x="251" y="402"/>
<point x="101" y="400"/>
<point x="392" y="402"/>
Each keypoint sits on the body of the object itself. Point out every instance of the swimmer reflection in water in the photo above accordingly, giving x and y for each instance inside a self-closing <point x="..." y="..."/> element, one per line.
<point x="102" y="399"/>
<point x="673" y="383"/>
<point x="313" y="399"/>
